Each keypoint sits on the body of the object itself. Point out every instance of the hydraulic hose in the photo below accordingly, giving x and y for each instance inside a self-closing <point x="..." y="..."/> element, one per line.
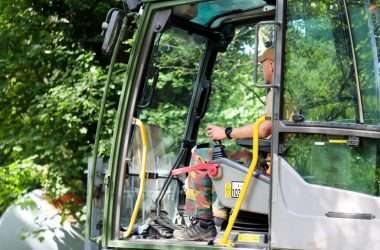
<point x="142" y="179"/>
<point x="224" y="240"/>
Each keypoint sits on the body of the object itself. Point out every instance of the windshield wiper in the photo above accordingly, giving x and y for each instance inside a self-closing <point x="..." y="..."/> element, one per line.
<point x="357" y="83"/>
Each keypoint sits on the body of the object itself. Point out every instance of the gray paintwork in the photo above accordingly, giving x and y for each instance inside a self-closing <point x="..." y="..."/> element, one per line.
<point x="303" y="207"/>
<point x="257" y="198"/>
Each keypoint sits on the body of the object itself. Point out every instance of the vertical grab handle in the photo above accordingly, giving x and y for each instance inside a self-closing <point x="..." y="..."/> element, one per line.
<point x="224" y="240"/>
<point x="255" y="57"/>
<point x="140" y="196"/>
<point x="98" y="129"/>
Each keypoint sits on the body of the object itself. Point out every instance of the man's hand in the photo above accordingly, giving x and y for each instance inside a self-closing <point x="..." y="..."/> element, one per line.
<point x="216" y="133"/>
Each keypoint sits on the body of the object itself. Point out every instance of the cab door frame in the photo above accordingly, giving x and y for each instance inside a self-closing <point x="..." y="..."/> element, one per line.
<point x="300" y="216"/>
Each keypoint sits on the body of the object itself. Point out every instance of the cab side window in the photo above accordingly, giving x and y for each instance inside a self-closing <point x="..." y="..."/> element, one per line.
<point x="234" y="100"/>
<point x="319" y="79"/>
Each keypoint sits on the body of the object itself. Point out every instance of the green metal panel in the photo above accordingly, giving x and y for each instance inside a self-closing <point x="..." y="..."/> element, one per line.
<point x="97" y="136"/>
<point x="119" y="127"/>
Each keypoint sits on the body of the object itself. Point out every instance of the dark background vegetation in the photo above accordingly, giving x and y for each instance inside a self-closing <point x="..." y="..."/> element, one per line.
<point x="51" y="79"/>
<point x="52" y="76"/>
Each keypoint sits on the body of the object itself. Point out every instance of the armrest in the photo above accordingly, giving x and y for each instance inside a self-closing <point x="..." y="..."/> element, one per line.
<point x="264" y="144"/>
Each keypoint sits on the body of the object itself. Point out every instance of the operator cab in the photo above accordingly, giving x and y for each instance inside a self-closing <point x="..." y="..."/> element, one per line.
<point x="196" y="67"/>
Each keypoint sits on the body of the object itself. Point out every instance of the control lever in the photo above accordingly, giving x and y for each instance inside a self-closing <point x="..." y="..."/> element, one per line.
<point x="211" y="168"/>
<point x="218" y="151"/>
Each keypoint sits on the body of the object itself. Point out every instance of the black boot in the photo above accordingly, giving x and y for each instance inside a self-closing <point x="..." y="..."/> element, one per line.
<point x="198" y="230"/>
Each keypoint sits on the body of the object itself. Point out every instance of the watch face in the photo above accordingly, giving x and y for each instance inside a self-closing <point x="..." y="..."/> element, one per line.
<point x="228" y="132"/>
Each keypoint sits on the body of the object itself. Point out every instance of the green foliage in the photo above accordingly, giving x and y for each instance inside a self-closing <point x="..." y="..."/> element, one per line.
<point x="320" y="80"/>
<point x="17" y="178"/>
<point x="336" y="165"/>
<point x="316" y="45"/>
<point x="235" y="101"/>
<point x="178" y="58"/>
<point x="319" y="62"/>
<point x="50" y="91"/>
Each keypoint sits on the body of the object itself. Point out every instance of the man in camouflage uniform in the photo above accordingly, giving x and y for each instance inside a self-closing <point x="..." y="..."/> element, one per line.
<point x="201" y="200"/>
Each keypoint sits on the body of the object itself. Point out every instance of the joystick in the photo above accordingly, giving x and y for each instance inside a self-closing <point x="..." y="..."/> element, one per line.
<point x="218" y="151"/>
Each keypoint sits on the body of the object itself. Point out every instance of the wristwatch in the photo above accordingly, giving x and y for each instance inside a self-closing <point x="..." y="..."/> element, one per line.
<point x="228" y="132"/>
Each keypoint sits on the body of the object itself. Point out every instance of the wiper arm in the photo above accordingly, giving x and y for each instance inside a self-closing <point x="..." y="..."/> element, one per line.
<point x="357" y="83"/>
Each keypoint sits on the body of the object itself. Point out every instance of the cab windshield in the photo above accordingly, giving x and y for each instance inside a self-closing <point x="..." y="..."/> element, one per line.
<point x="332" y="80"/>
<point x="332" y="61"/>
<point x="174" y="68"/>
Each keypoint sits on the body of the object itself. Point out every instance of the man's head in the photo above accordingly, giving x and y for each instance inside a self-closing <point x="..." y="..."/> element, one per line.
<point x="267" y="61"/>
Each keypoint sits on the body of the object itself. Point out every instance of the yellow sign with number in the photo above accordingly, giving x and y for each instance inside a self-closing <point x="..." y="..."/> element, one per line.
<point x="227" y="190"/>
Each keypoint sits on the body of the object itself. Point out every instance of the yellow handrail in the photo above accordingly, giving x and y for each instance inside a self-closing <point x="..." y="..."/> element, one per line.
<point x="142" y="179"/>
<point x="224" y="240"/>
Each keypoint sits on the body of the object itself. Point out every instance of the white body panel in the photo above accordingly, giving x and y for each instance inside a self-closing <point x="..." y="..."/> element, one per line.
<point x="299" y="218"/>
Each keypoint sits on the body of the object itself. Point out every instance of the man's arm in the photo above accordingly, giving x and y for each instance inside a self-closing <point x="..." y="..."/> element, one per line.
<point x="244" y="132"/>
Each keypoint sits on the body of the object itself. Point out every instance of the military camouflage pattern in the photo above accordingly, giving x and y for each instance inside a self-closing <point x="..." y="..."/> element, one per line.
<point x="201" y="199"/>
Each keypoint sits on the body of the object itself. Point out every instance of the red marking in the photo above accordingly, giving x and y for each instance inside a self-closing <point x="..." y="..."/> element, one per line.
<point x="211" y="168"/>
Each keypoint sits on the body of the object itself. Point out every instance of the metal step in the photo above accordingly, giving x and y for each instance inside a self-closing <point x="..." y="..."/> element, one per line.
<point x="247" y="221"/>
<point x="246" y="239"/>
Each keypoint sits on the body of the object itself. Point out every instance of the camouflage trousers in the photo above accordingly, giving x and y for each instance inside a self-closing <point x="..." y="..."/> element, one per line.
<point x="201" y="199"/>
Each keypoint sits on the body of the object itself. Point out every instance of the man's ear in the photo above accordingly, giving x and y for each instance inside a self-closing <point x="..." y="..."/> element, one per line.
<point x="272" y="66"/>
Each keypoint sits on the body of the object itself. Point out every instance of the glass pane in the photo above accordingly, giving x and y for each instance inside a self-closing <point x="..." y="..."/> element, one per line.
<point x="319" y="79"/>
<point x="177" y="57"/>
<point x="209" y="10"/>
<point x="329" y="161"/>
<point x="365" y="25"/>
<point x="152" y="189"/>
<point x="234" y="100"/>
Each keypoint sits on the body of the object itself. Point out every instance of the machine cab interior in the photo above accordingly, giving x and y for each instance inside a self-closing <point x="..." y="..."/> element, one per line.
<point x="197" y="67"/>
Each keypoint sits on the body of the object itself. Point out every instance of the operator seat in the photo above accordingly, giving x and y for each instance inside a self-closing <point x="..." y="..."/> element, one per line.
<point x="230" y="179"/>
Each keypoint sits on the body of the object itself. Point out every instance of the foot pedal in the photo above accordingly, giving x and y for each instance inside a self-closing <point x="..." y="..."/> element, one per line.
<point x="168" y="224"/>
<point x="158" y="231"/>
<point x="163" y="228"/>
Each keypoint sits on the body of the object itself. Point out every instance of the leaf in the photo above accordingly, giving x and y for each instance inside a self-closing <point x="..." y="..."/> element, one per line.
<point x="83" y="130"/>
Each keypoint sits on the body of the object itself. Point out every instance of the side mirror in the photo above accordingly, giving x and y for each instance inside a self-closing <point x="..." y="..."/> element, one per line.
<point x="111" y="29"/>
<point x="266" y="33"/>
